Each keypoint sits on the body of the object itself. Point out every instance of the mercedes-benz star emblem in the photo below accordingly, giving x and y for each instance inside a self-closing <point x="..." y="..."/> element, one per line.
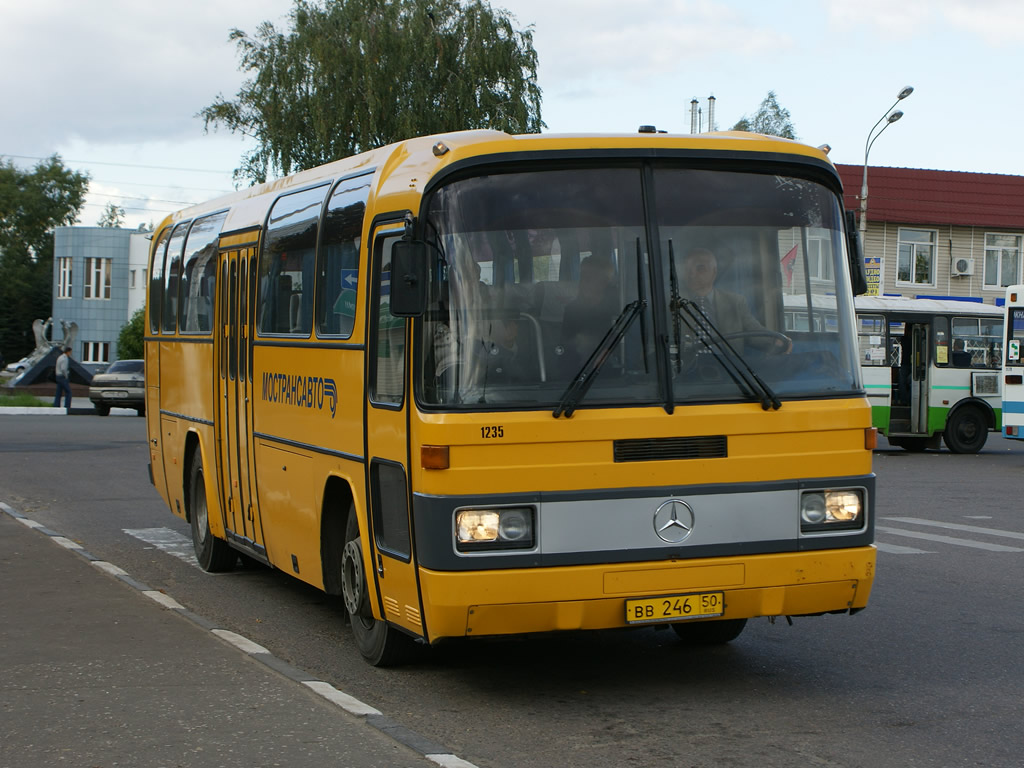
<point x="673" y="521"/>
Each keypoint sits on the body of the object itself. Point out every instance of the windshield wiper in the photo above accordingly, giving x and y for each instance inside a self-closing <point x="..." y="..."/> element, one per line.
<point x="732" y="361"/>
<point x="585" y="376"/>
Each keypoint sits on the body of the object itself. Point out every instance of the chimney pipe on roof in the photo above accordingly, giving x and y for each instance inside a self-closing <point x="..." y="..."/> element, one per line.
<point x="711" y="112"/>
<point x="693" y="116"/>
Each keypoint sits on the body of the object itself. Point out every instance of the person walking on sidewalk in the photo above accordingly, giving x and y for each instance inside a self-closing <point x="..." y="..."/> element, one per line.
<point x="62" y="372"/>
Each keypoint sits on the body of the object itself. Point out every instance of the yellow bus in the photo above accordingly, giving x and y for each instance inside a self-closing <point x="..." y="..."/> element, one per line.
<point x="479" y="385"/>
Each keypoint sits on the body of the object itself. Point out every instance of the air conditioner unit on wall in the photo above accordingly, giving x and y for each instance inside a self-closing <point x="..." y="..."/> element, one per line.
<point x="962" y="267"/>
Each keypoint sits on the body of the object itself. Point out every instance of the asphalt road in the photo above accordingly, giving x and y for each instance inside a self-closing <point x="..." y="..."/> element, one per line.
<point x="928" y="675"/>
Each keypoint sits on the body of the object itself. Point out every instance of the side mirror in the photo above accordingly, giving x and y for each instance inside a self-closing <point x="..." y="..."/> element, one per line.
<point x="408" y="278"/>
<point x="855" y="251"/>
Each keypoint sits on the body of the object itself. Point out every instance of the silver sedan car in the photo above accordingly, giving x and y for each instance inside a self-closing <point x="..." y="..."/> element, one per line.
<point x="122" y="385"/>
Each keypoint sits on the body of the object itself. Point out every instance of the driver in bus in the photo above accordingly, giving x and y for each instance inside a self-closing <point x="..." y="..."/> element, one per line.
<point x="727" y="311"/>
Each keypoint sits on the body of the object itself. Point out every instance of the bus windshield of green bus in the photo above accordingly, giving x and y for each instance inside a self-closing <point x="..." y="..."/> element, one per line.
<point x="715" y="286"/>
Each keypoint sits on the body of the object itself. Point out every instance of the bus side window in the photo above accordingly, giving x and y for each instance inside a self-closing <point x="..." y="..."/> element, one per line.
<point x="156" y="281"/>
<point x="195" y="300"/>
<point x="287" y="263"/>
<point x="337" y="269"/>
<point x="172" y="271"/>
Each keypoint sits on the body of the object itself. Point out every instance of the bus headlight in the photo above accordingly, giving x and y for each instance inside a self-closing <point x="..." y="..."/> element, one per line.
<point x="495" y="528"/>
<point x="831" y="510"/>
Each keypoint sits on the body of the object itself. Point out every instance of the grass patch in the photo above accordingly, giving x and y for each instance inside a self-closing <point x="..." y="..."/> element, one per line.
<point x="21" y="400"/>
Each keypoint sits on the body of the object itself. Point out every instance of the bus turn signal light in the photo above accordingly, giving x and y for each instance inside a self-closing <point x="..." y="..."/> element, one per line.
<point x="434" y="456"/>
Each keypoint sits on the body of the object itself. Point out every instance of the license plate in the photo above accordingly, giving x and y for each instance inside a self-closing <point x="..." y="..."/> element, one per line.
<point x="655" y="610"/>
<point x="109" y="393"/>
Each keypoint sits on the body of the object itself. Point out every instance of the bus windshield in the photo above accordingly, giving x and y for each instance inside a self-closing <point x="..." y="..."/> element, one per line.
<point x="657" y="285"/>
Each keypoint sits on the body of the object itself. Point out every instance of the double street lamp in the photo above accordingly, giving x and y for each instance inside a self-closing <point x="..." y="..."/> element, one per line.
<point x="888" y="118"/>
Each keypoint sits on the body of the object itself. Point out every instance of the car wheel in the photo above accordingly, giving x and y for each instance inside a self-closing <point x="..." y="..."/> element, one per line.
<point x="214" y="555"/>
<point x="379" y="643"/>
<point x="966" y="430"/>
<point x="141" y="411"/>
<point x="102" y="410"/>
<point x="709" y="632"/>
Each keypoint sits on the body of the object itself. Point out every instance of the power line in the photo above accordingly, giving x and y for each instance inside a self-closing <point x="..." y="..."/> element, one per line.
<point x="124" y="165"/>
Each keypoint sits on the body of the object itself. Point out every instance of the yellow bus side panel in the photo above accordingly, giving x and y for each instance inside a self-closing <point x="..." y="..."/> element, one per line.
<point x="300" y="424"/>
<point x="287" y="508"/>
<point x="502" y="602"/>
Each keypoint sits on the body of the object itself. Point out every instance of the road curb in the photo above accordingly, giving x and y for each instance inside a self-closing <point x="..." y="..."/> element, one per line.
<point x="351" y="705"/>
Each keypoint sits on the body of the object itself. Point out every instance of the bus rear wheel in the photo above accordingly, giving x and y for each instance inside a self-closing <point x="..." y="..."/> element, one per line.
<point x="379" y="643"/>
<point x="966" y="430"/>
<point x="214" y="555"/>
<point x="709" y="632"/>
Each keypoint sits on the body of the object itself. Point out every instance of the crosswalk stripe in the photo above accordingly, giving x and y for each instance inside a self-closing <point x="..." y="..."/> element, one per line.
<point x="947" y="539"/>
<point x="958" y="527"/>
<point x="166" y="540"/>
<point x="896" y="549"/>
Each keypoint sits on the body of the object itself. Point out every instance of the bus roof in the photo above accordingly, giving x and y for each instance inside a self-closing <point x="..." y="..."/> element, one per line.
<point x="925" y="306"/>
<point x="404" y="169"/>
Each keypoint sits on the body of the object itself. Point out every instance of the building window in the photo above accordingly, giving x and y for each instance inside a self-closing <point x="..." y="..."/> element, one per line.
<point x="64" y="277"/>
<point x="95" y="352"/>
<point x="131" y="283"/>
<point x="819" y="258"/>
<point x="1002" y="260"/>
<point x="97" y="278"/>
<point x="916" y="260"/>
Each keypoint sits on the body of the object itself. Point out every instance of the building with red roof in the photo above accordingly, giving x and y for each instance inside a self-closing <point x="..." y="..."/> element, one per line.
<point x="940" y="233"/>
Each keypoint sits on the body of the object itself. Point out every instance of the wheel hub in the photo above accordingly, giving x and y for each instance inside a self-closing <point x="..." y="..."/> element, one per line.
<point x="353" y="578"/>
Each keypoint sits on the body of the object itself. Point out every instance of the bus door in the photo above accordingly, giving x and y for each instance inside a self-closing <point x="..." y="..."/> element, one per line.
<point x="919" y="377"/>
<point x="235" y="389"/>
<point x="387" y="449"/>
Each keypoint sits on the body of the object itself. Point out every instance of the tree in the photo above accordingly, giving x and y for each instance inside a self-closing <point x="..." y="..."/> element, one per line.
<point x="770" y="119"/>
<point x="352" y="75"/>
<point x="112" y="216"/>
<point x="129" y="340"/>
<point x="32" y="204"/>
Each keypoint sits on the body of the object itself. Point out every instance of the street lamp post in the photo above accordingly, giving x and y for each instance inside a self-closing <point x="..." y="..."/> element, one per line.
<point x="888" y="117"/>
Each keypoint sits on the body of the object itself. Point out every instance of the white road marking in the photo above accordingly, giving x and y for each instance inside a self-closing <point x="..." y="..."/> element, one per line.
<point x="948" y="539"/>
<point x="110" y="568"/>
<point x="166" y="540"/>
<point x="896" y="549"/>
<point x="959" y="527"/>
<point x="243" y="644"/>
<point x="449" y="761"/>
<point x="350" y="704"/>
<point x="165" y="600"/>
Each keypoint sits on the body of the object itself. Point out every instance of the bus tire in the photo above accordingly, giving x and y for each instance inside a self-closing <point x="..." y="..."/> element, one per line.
<point x="966" y="430"/>
<point x="214" y="555"/>
<point x="709" y="632"/>
<point x="379" y="643"/>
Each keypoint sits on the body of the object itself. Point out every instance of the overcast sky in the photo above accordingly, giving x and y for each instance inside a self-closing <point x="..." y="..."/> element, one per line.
<point x="114" y="85"/>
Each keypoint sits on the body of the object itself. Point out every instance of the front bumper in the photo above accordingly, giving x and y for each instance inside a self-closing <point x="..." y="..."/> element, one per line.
<point x="505" y="602"/>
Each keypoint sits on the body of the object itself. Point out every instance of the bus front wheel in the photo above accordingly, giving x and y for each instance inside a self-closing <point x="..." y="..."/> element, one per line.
<point x="966" y="430"/>
<point x="380" y="644"/>
<point x="214" y="555"/>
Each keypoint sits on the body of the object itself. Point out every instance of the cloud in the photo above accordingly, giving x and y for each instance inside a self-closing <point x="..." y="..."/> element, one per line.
<point x="129" y="70"/>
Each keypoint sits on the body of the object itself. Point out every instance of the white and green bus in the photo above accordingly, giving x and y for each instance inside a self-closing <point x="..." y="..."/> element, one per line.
<point x="931" y="369"/>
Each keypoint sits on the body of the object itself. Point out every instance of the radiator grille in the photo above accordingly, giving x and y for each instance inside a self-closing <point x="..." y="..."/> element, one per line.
<point x="671" y="448"/>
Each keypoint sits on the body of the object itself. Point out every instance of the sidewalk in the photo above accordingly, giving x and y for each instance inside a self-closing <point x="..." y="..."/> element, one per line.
<point x="80" y="406"/>
<point x="98" y="670"/>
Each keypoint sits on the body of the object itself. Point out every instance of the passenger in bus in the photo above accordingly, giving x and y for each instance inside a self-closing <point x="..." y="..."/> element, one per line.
<point x="727" y="311"/>
<point x="590" y="315"/>
<point x="960" y="357"/>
